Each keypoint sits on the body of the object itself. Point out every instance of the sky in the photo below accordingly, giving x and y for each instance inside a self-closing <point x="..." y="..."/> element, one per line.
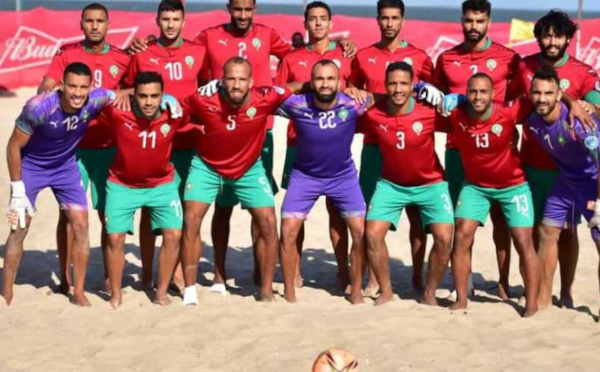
<point x="591" y="5"/>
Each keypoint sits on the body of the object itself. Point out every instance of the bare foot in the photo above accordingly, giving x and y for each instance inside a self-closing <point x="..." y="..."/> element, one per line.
<point x="298" y="282"/>
<point x="107" y="287"/>
<point x="458" y="305"/>
<point x="8" y="295"/>
<point x="266" y="296"/>
<point x="383" y="299"/>
<point x="290" y="296"/>
<point x="371" y="289"/>
<point x="162" y="300"/>
<point x="544" y="304"/>
<point x="356" y="298"/>
<point x="115" y="301"/>
<point x="417" y="284"/>
<point x="529" y="311"/>
<point x="428" y="299"/>
<point x="80" y="300"/>
<point x="63" y="288"/>
<point x="503" y="291"/>
<point x="566" y="301"/>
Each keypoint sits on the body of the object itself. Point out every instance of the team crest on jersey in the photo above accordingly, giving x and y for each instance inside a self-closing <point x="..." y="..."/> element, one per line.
<point x="408" y="60"/>
<point x="337" y="63"/>
<point x="279" y="90"/>
<point x="256" y="43"/>
<point x="251" y="112"/>
<point x="565" y="84"/>
<point x="491" y="64"/>
<point x="591" y="143"/>
<point x="165" y="129"/>
<point x="189" y="61"/>
<point x="417" y="127"/>
<point x="497" y="129"/>
<point x="343" y="114"/>
<point x="113" y="70"/>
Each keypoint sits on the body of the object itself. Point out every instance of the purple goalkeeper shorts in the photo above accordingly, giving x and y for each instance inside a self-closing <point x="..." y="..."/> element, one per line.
<point x="64" y="181"/>
<point x="568" y="202"/>
<point x="304" y="190"/>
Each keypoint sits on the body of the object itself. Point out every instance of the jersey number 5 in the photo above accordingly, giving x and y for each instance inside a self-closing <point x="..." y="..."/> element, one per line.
<point x="231" y="122"/>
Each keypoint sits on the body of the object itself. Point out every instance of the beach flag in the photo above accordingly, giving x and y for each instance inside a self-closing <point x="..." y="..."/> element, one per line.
<point x="520" y="31"/>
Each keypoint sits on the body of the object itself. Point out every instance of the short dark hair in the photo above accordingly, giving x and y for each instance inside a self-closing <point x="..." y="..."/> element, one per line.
<point x="170" y="6"/>
<point x="399" y="66"/>
<point x="557" y="21"/>
<point x="229" y="1"/>
<point x="94" y="6"/>
<point x="384" y="4"/>
<point x="148" y="77"/>
<point x="238" y="61"/>
<point x="481" y="75"/>
<point x="77" y="68"/>
<point x="316" y="4"/>
<point x="547" y="74"/>
<point x="477" y="6"/>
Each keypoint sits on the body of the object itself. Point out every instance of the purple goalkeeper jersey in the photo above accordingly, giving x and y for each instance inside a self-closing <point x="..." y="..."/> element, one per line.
<point x="54" y="132"/>
<point x="324" y="137"/>
<point x="576" y="155"/>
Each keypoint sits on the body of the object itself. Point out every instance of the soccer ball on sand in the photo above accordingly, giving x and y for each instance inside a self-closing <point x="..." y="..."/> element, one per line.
<point x="335" y="360"/>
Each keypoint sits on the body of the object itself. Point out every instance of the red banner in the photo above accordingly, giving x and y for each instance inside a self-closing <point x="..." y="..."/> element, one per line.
<point x="29" y="39"/>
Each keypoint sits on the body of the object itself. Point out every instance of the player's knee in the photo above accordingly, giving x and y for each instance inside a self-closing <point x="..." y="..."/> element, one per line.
<point x="191" y="221"/>
<point x="171" y="237"/>
<point x="443" y="241"/>
<point x="267" y="225"/>
<point x="358" y="233"/>
<point x="373" y="238"/>
<point x="80" y="228"/>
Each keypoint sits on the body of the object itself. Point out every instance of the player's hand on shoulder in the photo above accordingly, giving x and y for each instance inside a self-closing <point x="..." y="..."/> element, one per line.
<point x="171" y="104"/>
<point x="19" y="206"/>
<point x="210" y="89"/>
<point x="139" y="44"/>
<point x="122" y="102"/>
<point x="587" y="107"/>
<point x="449" y="103"/>
<point x="360" y="96"/>
<point x="578" y="112"/>
<point x="348" y="47"/>
<point x="429" y="93"/>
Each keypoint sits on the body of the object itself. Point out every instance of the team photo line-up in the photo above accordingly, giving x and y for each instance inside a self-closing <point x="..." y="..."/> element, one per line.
<point x="171" y="126"/>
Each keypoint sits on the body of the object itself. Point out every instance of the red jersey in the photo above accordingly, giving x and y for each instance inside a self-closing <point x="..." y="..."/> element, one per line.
<point x="257" y="45"/>
<point x="368" y="68"/>
<point x="455" y="66"/>
<point x="180" y="67"/>
<point x="108" y="68"/>
<point x="485" y="146"/>
<point x="232" y="139"/>
<point x="143" y="147"/>
<point x="576" y="78"/>
<point x="297" y="67"/>
<point x="406" y="142"/>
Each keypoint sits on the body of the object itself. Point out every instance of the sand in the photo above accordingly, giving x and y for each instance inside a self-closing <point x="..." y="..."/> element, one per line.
<point x="236" y="333"/>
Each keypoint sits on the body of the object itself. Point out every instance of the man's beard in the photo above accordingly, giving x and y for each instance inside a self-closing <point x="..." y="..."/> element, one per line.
<point x="326" y="98"/>
<point x="480" y="36"/>
<point x="558" y="57"/>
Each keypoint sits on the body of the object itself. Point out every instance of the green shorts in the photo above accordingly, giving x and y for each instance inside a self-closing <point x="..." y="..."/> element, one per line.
<point x="253" y="189"/>
<point x="93" y="166"/>
<point x="371" y="162"/>
<point x="122" y="202"/>
<point x="474" y="203"/>
<point x="290" y="157"/>
<point x="455" y="175"/>
<point x="182" y="159"/>
<point x="227" y="197"/>
<point x="540" y="182"/>
<point x="389" y="200"/>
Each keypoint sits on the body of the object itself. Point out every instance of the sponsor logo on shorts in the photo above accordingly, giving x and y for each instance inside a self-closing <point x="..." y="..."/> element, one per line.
<point x="188" y="186"/>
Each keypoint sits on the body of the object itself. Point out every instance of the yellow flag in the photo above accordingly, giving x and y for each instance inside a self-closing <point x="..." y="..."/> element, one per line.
<point x="520" y="30"/>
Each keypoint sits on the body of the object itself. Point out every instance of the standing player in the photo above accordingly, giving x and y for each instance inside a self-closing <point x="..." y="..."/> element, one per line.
<point x="405" y="132"/>
<point x="40" y="154"/>
<point x="180" y="62"/>
<point x="228" y="154"/>
<point x="454" y="67"/>
<point x="576" y="186"/>
<point x="554" y="33"/>
<point x="368" y="73"/>
<point x="483" y="133"/>
<point x="142" y="176"/>
<point x="325" y="122"/>
<point x="297" y="66"/>
<point x="96" y="150"/>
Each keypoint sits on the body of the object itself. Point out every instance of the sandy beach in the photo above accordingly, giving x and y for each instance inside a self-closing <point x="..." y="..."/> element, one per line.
<point x="42" y="332"/>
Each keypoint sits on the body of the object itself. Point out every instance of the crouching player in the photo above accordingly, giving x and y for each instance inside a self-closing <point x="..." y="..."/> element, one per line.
<point x="576" y="188"/>
<point x="143" y="176"/>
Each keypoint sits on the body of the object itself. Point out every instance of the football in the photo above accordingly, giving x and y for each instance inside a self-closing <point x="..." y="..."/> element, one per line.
<point x="335" y="360"/>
